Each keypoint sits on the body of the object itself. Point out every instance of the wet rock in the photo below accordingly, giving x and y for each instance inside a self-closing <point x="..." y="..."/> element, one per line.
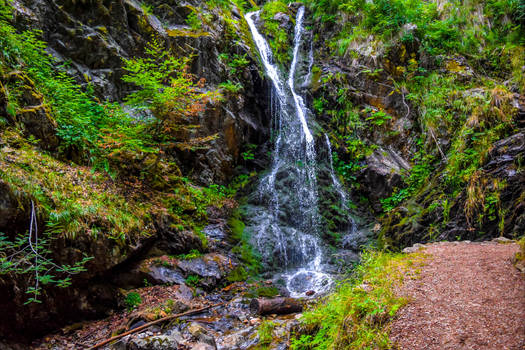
<point x="241" y="339"/>
<point x="32" y="114"/>
<point x="283" y="19"/>
<point x="176" y="242"/>
<point x="202" y="334"/>
<point x="255" y="321"/>
<point x="502" y="240"/>
<point x="210" y="268"/>
<point x="345" y="259"/>
<point x="383" y="173"/>
<point x="184" y="293"/>
<point x="38" y="122"/>
<point x="163" y="275"/>
<point x="158" y="342"/>
<point x="458" y="65"/>
<point x="356" y="239"/>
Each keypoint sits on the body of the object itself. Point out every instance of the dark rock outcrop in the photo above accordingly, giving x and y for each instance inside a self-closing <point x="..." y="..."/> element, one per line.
<point x="410" y="223"/>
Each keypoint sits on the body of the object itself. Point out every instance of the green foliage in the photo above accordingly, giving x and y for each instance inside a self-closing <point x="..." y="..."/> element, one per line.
<point x="86" y="127"/>
<point x="452" y="28"/>
<point x="194" y="21"/>
<point x="170" y="92"/>
<point x="146" y="8"/>
<point x="229" y="86"/>
<point x="133" y="300"/>
<point x="73" y="200"/>
<point x="235" y="63"/>
<point x="278" y="37"/>
<point x="520" y="256"/>
<point x="377" y="117"/>
<point x="238" y="274"/>
<point x="193" y="280"/>
<point x="193" y="254"/>
<point x="265" y="332"/>
<point x="28" y="255"/>
<point x="76" y="111"/>
<point x="248" y="153"/>
<point x="224" y="4"/>
<point x="357" y="314"/>
<point x="473" y="121"/>
<point x="267" y="292"/>
<point x="346" y="125"/>
<point x="419" y="174"/>
<point x="189" y="204"/>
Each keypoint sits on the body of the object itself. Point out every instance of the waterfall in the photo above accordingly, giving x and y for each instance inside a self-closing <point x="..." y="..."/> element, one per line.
<point x="286" y="222"/>
<point x="335" y="182"/>
<point x="339" y="187"/>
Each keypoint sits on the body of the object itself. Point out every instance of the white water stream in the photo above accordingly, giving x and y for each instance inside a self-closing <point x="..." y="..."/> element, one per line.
<point x="287" y="230"/>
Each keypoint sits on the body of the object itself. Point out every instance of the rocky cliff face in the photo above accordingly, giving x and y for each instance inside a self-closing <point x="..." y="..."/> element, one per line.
<point x="95" y="37"/>
<point x="399" y="162"/>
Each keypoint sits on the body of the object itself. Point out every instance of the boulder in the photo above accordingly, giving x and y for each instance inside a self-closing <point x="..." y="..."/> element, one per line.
<point x="210" y="268"/>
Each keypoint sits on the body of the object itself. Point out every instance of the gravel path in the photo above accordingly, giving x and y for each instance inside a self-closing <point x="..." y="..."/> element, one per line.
<point x="468" y="296"/>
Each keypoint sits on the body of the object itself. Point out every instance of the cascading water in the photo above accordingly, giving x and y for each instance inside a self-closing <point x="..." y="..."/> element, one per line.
<point x="286" y="226"/>
<point x="339" y="187"/>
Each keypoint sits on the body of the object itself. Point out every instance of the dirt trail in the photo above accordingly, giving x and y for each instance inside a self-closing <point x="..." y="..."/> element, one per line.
<point x="468" y="296"/>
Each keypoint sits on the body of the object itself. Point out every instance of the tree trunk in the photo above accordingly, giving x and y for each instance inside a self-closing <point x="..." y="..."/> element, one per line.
<point x="278" y="306"/>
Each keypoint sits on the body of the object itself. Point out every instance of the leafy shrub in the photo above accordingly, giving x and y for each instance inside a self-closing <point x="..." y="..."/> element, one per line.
<point x="193" y="280"/>
<point x="231" y="87"/>
<point x="194" y="21"/>
<point x="193" y="254"/>
<point x="170" y="92"/>
<point x="27" y="255"/>
<point x="265" y="332"/>
<point x="449" y="29"/>
<point x="133" y="300"/>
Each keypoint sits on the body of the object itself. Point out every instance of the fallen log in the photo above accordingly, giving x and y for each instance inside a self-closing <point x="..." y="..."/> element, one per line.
<point x="279" y="306"/>
<point x="164" y="319"/>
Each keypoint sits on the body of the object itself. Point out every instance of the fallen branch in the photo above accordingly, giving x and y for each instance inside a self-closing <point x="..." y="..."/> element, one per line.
<point x="160" y="320"/>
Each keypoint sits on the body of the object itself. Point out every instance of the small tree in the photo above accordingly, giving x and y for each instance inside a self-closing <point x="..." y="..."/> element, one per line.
<point x="173" y="95"/>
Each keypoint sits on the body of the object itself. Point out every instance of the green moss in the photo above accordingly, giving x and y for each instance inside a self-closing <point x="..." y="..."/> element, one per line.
<point x="267" y="292"/>
<point x="243" y="248"/>
<point x="186" y="33"/>
<point x="133" y="300"/>
<point x="238" y="274"/>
